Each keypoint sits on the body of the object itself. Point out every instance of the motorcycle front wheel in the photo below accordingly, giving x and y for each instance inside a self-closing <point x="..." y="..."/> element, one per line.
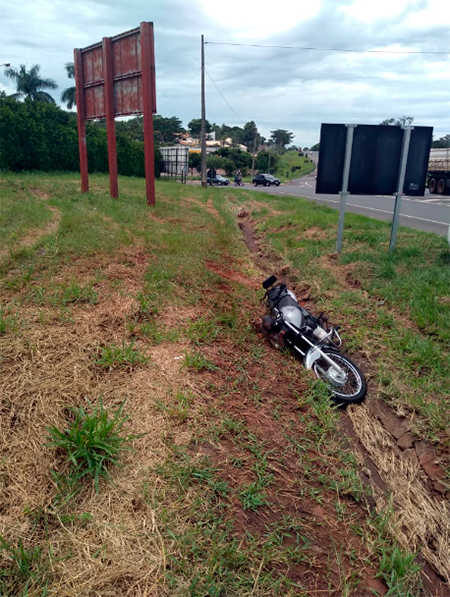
<point x="350" y="389"/>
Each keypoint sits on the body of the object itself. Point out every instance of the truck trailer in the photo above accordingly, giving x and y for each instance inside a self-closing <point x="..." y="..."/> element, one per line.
<point x="439" y="171"/>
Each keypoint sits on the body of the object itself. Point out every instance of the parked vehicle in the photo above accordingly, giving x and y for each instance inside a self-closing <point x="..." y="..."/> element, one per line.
<point x="266" y="180"/>
<point x="218" y="180"/>
<point x="439" y="172"/>
<point x="291" y="326"/>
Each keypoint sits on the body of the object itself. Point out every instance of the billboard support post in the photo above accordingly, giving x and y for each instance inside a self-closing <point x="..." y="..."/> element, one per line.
<point x="401" y="181"/>
<point x="149" y="105"/>
<point x="116" y="77"/>
<point x="345" y="177"/>
<point x="110" y="114"/>
<point x="81" y="118"/>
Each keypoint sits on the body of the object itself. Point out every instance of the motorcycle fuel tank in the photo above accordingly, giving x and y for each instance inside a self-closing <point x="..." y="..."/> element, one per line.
<point x="293" y="315"/>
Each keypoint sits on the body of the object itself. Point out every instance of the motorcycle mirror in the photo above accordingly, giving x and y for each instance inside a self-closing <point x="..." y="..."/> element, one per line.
<point x="267" y="283"/>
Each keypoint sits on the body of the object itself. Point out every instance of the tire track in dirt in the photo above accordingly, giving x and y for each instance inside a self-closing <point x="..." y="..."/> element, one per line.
<point x="421" y="517"/>
<point x="35" y="234"/>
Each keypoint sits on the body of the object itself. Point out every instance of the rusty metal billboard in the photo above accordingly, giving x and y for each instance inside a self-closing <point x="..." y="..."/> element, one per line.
<point x="116" y="77"/>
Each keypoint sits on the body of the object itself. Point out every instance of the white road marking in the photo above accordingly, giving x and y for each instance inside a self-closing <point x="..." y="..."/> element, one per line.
<point x="381" y="210"/>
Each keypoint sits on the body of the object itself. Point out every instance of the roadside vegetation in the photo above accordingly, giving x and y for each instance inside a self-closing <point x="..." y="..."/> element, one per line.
<point x="151" y="443"/>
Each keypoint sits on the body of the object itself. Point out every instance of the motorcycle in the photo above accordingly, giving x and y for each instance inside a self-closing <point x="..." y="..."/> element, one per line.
<point x="291" y="326"/>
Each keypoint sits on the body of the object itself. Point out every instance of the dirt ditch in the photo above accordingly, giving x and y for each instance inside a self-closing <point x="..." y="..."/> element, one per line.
<point x="53" y="365"/>
<point x="396" y="461"/>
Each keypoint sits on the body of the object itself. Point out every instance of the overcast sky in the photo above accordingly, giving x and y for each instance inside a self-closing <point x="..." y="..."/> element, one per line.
<point x="291" y="89"/>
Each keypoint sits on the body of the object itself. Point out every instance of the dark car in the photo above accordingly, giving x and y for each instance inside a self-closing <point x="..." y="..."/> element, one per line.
<point x="218" y="180"/>
<point x="266" y="180"/>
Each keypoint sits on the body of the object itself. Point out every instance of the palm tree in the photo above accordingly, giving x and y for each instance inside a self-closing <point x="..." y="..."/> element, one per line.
<point x="30" y="85"/>
<point x="68" y="96"/>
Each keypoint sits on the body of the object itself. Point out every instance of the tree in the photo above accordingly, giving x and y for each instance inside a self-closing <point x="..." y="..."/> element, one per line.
<point x="215" y="161"/>
<point x="240" y="159"/>
<point x="401" y="121"/>
<point x="281" y="137"/>
<point x="166" y="130"/>
<point x="237" y="136"/>
<point x="30" y="85"/>
<point x="442" y="142"/>
<point x="315" y="147"/>
<point x="68" y="96"/>
<point x="195" y="160"/>
<point x="224" y="133"/>
<point x="195" y="127"/>
<point x="262" y="161"/>
<point x="250" y="138"/>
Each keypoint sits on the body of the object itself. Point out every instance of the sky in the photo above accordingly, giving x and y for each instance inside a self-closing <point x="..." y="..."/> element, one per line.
<point x="288" y="88"/>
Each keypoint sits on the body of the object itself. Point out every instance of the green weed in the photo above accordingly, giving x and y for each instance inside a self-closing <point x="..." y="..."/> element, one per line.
<point x="75" y="293"/>
<point x="197" y="361"/>
<point x="179" y="407"/>
<point x="253" y="496"/>
<point x="397" y="567"/>
<point x="25" y="572"/>
<point x="8" y="322"/>
<point x="92" y="442"/>
<point x="112" y="357"/>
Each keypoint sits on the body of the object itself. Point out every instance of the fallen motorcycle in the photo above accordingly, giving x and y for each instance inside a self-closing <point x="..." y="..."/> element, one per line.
<point x="291" y="326"/>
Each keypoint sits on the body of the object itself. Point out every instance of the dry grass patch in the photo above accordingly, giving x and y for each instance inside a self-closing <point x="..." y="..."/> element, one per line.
<point x="421" y="521"/>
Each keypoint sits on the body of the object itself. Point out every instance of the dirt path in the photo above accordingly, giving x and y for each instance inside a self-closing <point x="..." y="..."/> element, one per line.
<point x="35" y="234"/>
<point x="396" y="462"/>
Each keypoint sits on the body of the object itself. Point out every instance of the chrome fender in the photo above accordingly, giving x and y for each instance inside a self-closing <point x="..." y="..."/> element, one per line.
<point x="315" y="353"/>
<point x="311" y="356"/>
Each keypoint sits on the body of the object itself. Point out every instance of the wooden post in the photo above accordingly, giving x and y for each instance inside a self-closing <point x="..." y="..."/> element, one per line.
<point x="110" y="112"/>
<point x="82" y="147"/>
<point x="149" y="105"/>
<point x="203" y="129"/>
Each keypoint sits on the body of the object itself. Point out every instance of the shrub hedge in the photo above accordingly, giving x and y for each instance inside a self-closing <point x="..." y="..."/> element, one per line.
<point x="40" y="136"/>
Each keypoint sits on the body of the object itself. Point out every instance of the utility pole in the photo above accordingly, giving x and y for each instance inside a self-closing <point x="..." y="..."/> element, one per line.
<point x="253" y="156"/>
<point x="203" y="128"/>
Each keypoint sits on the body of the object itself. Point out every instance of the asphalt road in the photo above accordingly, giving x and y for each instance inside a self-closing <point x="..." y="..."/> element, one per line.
<point x="430" y="213"/>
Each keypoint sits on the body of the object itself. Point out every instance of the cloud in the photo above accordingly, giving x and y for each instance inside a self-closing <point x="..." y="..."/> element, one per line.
<point x="292" y="89"/>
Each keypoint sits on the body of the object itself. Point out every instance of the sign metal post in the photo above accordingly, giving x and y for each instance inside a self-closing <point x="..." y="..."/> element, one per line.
<point x="345" y="177"/>
<point x="401" y="181"/>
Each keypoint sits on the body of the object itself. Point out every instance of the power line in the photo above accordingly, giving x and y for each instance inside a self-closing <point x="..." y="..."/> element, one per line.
<point x="223" y="96"/>
<point x="168" y="100"/>
<point x="218" y="43"/>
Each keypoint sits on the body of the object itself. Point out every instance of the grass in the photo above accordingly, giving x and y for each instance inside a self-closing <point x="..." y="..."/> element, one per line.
<point x="24" y="571"/>
<point x="92" y="442"/>
<point x="111" y="357"/>
<point x="399" y="314"/>
<point x="398" y="567"/>
<point x="243" y="482"/>
<point x="197" y="361"/>
<point x="291" y="159"/>
<point x="8" y="322"/>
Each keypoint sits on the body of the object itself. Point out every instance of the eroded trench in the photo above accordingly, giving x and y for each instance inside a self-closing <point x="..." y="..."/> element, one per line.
<point x="401" y="470"/>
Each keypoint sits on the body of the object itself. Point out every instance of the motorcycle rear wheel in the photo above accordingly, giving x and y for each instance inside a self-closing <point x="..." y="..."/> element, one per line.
<point x="353" y="390"/>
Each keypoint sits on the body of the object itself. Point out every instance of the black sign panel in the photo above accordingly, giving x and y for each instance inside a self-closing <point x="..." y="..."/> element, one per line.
<point x="375" y="160"/>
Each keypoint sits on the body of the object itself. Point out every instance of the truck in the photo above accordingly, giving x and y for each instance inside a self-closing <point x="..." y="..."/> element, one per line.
<point x="439" y="171"/>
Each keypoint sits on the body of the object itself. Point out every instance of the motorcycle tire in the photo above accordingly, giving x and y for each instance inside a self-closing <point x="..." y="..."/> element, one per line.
<point x="353" y="391"/>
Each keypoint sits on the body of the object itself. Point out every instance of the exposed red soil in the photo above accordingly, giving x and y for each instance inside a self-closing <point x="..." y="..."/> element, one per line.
<point x="278" y="386"/>
<point x="431" y="463"/>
